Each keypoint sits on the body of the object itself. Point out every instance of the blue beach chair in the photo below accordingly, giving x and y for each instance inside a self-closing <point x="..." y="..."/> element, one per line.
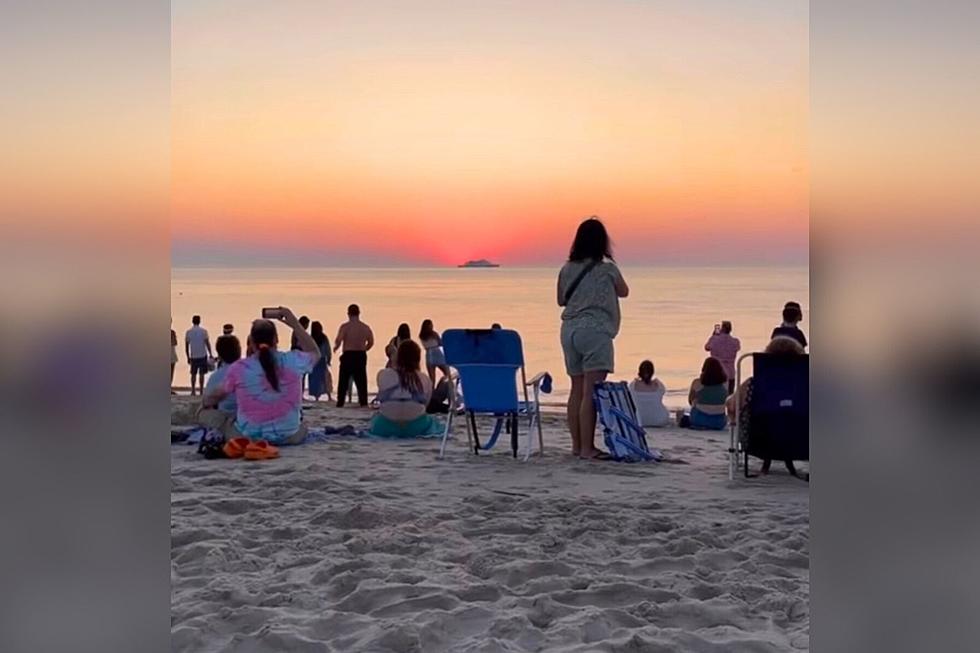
<point x="486" y="364"/>
<point x="779" y="411"/>
<point x="625" y="438"/>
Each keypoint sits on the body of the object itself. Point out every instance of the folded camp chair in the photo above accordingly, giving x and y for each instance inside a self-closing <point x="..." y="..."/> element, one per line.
<point x="779" y="410"/>
<point x="625" y="438"/>
<point x="487" y="362"/>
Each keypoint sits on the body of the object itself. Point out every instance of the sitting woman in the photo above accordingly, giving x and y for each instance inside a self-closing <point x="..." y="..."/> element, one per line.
<point x="268" y="383"/>
<point x="404" y="392"/>
<point x="782" y="346"/>
<point x="220" y="418"/>
<point x="648" y="395"/>
<point x="707" y="398"/>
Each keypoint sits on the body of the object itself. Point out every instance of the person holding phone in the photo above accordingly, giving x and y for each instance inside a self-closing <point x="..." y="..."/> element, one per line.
<point x="723" y="346"/>
<point x="267" y="383"/>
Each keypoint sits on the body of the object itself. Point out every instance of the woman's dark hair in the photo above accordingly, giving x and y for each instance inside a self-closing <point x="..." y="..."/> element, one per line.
<point x="591" y="242"/>
<point x="426" y="330"/>
<point x="264" y="339"/>
<point x="408" y="362"/>
<point x="712" y="373"/>
<point x="229" y="349"/>
<point x="316" y="331"/>
<point x="404" y="332"/>
<point x="646" y="371"/>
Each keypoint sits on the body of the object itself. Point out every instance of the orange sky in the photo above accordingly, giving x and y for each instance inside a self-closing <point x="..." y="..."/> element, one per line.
<point x="433" y="132"/>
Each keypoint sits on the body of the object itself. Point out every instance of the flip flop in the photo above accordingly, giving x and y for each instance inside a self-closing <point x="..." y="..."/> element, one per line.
<point x="235" y="448"/>
<point x="261" y="450"/>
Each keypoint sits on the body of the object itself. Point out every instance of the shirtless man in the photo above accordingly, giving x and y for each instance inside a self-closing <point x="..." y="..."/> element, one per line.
<point x="357" y="339"/>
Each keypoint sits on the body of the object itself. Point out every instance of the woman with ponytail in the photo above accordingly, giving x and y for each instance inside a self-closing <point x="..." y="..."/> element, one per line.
<point x="268" y="383"/>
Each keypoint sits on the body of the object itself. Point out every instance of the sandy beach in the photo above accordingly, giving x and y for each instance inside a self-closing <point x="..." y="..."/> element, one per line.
<point x="365" y="545"/>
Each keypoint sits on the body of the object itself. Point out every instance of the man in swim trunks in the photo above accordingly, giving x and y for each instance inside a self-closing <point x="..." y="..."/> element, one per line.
<point x="356" y="338"/>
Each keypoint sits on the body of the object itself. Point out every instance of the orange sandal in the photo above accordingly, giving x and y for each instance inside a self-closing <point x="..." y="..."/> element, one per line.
<point x="261" y="450"/>
<point x="235" y="448"/>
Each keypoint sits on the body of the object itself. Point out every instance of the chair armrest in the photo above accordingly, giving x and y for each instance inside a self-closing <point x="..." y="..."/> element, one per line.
<point x="536" y="379"/>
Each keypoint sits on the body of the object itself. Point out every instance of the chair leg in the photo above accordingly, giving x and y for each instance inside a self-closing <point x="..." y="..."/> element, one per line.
<point x="445" y="436"/>
<point x="476" y="438"/>
<point x="514" y="420"/>
<point x="537" y="411"/>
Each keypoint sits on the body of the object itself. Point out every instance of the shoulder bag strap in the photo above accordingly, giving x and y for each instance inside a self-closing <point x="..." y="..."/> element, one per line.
<point x="572" y="287"/>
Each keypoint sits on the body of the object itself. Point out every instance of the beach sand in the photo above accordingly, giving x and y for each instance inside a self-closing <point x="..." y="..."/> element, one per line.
<point x="363" y="545"/>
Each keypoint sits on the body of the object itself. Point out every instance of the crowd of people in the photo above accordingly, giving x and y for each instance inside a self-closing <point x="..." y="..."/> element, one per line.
<point x="257" y="394"/>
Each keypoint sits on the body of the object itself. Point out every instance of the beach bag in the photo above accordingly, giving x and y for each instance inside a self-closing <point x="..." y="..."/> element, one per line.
<point x="212" y="445"/>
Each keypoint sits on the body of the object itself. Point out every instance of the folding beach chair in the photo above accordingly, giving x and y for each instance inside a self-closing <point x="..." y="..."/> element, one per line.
<point x="487" y="362"/>
<point x="779" y="411"/>
<point x="625" y="438"/>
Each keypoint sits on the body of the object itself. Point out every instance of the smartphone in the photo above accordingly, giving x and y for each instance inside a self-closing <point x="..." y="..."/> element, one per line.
<point x="271" y="313"/>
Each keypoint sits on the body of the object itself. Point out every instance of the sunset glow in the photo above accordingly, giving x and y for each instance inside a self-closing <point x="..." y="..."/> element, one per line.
<point x="432" y="133"/>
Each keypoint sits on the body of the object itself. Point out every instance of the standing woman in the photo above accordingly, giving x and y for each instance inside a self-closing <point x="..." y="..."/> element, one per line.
<point x="435" y="359"/>
<point x="320" y="377"/>
<point x="589" y="288"/>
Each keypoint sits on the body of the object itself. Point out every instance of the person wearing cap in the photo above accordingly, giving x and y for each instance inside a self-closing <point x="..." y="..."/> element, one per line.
<point x="792" y="316"/>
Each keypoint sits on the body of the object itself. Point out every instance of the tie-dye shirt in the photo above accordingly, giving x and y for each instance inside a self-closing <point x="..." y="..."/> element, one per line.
<point x="264" y="413"/>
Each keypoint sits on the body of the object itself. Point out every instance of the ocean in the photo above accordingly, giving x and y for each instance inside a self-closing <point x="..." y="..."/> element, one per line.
<point x="667" y="318"/>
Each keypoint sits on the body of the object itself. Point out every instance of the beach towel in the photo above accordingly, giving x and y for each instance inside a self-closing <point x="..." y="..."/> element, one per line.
<point x="423" y="426"/>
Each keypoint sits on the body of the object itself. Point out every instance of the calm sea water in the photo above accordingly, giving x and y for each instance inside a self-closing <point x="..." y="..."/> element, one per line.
<point x="667" y="317"/>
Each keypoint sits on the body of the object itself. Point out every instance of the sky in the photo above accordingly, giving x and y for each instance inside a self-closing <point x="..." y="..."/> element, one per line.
<point x="429" y="133"/>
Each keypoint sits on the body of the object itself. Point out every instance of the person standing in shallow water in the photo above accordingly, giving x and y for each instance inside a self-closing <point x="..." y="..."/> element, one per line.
<point x="357" y="339"/>
<point x="590" y="286"/>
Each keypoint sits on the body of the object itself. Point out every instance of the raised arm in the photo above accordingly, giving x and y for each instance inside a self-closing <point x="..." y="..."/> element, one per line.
<point x="303" y="339"/>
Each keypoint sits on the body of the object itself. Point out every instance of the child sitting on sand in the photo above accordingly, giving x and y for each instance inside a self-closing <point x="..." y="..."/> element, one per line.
<point x="229" y="350"/>
<point x="648" y="395"/>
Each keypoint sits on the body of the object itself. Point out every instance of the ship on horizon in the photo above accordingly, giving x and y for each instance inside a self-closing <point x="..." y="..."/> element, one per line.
<point x="479" y="263"/>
